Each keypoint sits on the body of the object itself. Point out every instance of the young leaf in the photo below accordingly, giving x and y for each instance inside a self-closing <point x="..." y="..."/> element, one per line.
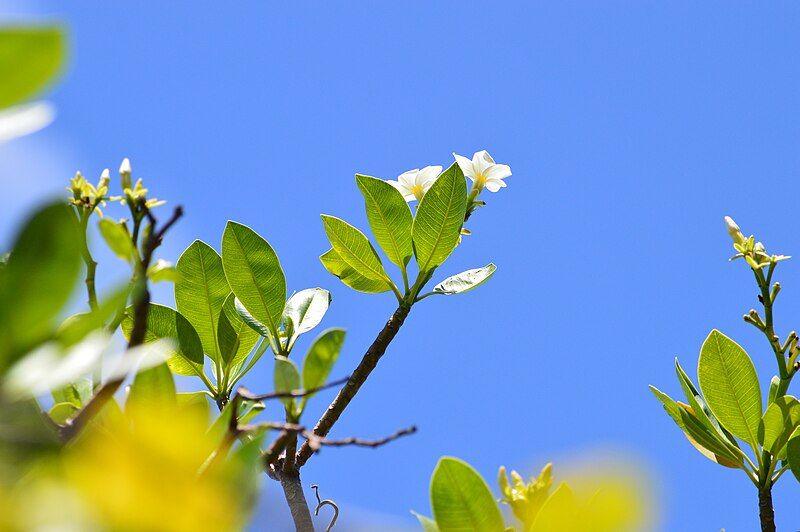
<point x="63" y="412"/>
<point x="164" y="322"/>
<point x="793" y="453"/>
<point x="461" y="500"/>
<point x="334" y="264"/>
<point x="227" y="338"/>
<point x="305" y="309"/>
<point x="320" y="359"/>
<point x="201" y="292"/>
<point x="389" y="217"/>
<point x="152" y="387"/>
<point x="248" y="338"/>
<point x="427" y="524"/>
<point x="30" y="60"/>
<point x="287" y="378"/>
<point x="163" y="271"/>
<point x="38" y="280"/>
<point x="440" y="215"/>
<point x="117" y="238"/>
<point x="465" y="281"/>
<point x="779" y="421"/>
<point x="354" y="248"/>
<point x="249" y="320"/>
<point x="254" y="273"/>
<point x="729" y="383"/>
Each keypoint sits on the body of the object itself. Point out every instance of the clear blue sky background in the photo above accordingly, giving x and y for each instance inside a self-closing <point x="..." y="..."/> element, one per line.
<point x="631" y="129"/>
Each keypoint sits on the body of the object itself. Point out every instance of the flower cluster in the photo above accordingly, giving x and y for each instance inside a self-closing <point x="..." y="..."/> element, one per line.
<point x="482" y="170"/>
<point x="525" y="499"/>
<point x="88" y="196"/>
<point x="134" y="195"/>
<point x="746" y="247"/>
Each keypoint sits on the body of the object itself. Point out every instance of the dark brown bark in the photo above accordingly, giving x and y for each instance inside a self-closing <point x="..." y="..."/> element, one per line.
<point x="358" y="377"/>
<point x="765" y="510"/>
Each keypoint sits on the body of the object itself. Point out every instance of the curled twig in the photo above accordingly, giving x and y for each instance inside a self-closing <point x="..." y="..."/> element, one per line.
<point x="323" y="502"/>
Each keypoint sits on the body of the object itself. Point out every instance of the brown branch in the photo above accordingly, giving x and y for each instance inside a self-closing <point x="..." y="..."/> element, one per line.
<point x="367" y="443"/>
<point x="250" y="396"/>
<point x="140" y="311"/>
<point x="356" y="380"/>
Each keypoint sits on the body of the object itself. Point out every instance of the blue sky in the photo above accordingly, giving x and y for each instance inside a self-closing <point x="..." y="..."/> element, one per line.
<point x="631" y="129"/>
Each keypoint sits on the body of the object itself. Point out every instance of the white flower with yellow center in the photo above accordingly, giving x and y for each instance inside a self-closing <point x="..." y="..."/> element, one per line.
<point x="483" y="171"/>
<point x="415" y="183"/>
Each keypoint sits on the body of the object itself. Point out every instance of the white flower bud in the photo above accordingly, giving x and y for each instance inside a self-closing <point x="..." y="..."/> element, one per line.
<point x="125" y="173"/>
<point x="734" y="231"/>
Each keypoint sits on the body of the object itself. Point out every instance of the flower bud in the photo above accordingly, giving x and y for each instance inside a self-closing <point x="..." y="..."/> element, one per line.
<point x="125" y="173"/>
<point x="734" y="231"/>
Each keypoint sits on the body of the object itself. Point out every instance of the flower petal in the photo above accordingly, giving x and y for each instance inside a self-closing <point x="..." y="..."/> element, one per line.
<point x="408" y="179"/>
<point x="465" y="165"/>
<point x="497" y="171"/>
<point x="493" y="185"/>
<point x="481" y="160"/>
<point x="428" y="175"/>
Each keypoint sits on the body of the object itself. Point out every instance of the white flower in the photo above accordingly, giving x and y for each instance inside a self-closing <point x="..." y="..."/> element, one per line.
<point x="415" y="183"/>
<point x="734" y="231"/>
<point x="483" y="170"/>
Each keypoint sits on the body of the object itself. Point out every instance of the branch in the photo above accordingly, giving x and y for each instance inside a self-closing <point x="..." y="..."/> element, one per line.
<point x="140" y="311"/>
<point x="244" y="393"/>
<point x="367" y="443"/>
<point x="354" y="383"/>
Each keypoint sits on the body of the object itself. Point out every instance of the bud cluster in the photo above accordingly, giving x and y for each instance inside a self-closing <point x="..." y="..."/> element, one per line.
<point x="524" y="499"/>
<point x="134" y="195"/>
<point x="747" y="248"/>
<point x="88" y="196"/>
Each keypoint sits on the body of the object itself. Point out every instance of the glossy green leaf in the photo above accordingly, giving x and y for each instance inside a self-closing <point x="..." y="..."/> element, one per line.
<point x="248" y="338"/>
<point x="305" y="310"/>
<point x="461" y="499"/>
<point x="254" y="273"/>
<point x="38" y="280"/>
<point x="729" y="383"/>
<point x="334" y="263"/>
<point x="440" y="215"/>
<point x="248" y="319"/>
<point x="354" y="248"/>
<point x="465" y="281"/>
<point x="707" y="442"/>
<point x="201" y="292"/>
<point x="427" y="524"/>
<point x="389" y="217"/>
<point x="778" y="423"/>
<point x="117" y="238"/>
<point x="287" y="378"/>
<point x="321" y="358"/>
<point x="793" y="453"/>
<point x="29" y="60"/>
<point x="164" y="322"/>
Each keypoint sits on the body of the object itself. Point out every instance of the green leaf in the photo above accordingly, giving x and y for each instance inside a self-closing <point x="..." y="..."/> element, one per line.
<point x="248" y="338"/>
<point x="227" y="338"/>
<point x="117" y="238"/>
<point x="152" y="387"/>
<point x="164" y="322"/>
<point x="440" y="215"/>
<point x="195" y="401"/>
<point x="63" y="412"/>
<point x="465" y="281"/>
<point x="37" y="282"/>
<point x="254" y="273"/>
<point x="559" y="512"/>
<point x="163" y="271"/>
<point x="75" y="394"/>
<point x="201" y="292"/>
<point x="248" y="319"/>
<point x="29" y="59"/>
<point x="76" y="327"/>
<point x="461" y="499"/>
<point x="793" y="453"/>
<point x="389" y="217"/>
<point x="321" y="358"/>
<point x="779" y="421"/>
<point x="354" y="248"/>
<point x="305" y="310"/>
<point x="334" y="263"/>
<point x="730" y="385"/>
<point x="287" y="378"/>
<point x="428" y="524"/>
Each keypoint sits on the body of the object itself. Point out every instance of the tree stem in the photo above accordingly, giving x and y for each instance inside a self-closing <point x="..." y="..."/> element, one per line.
<point x="358" y="377"/>
<point x="296" y="499"/>
<point x="765" y="510"/>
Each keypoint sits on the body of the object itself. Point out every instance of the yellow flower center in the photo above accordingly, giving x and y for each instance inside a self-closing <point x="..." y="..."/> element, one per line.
<point x="418" y="192"/>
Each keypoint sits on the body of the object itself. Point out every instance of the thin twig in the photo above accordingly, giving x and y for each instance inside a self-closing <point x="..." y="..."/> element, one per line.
<point x="250" y="396"/>
<point x="358" y="442"/>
